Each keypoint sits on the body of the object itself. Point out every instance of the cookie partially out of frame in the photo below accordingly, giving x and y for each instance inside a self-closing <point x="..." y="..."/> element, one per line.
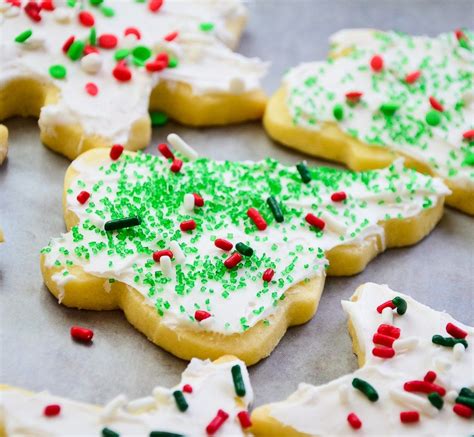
<point x="3" y="155"/>
<point x="382" y="95"/>
<point x="92" y="74"/>
<point x="415" y="379"/>
<point x="208" y="258"/>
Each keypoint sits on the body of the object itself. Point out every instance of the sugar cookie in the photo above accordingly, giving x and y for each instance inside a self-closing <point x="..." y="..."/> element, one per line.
<point x="383" y="95"/>
<point x="212" y="398"/>
<point x="207" y="258"/>
<point x="92" y="74"/>
<point x="412" y="381"/>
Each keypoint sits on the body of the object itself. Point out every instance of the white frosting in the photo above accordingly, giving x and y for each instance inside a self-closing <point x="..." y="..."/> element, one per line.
<point x="447" y="71"/>
<point x="212" y="386"/>
<point x="205" y="63"/>
<point x="320" y="410"/>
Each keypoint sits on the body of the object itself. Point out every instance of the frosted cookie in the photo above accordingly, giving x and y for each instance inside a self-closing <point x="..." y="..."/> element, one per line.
<point x="416" y="376"/>
<point x="211" y="399"/>
<point x="92" y="71"/>
<point x="208" y="258"/>
<point x="383" y="95"/>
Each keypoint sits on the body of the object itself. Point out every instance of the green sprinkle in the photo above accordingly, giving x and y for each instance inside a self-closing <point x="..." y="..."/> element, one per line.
<point x="180" y="401"/>
<point x="389" y="108"/>
<point x="275" y="208"/>
<point x="57" y="71"/>
<point x="107" y="11"/>
<point x="365" y="388"/>
<point x="93" y="37"/>
<point x="436" y="400"/>
<point x="141" y="52"/>
<point x="468" y="401"/>
<point x="433" y="118"/>
<point x="121" y="54"/>
<point x="71" y="3"/>
<point x="107" y="432"/>
<point x="469" y="159"/>
<point x="165" y="434"/>
<point x="401" y="305"/>
<point x="244" y="249"/>
<point x="158" y="118"/>
<point x="304" y="172"/>
<point x="448" y="341"/>
<point x="95" y="2"/>
<point x="206" y="27"/>
<point x="128" y="222"/>
<point x="23" y="36"/>
<point x="75" y="50"/>
<point x="173" y="62"/>
<point x="338" y="112"/>
<point x="239" y="384"/>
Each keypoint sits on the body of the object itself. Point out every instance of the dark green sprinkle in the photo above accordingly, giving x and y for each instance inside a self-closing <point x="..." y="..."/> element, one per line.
<point x="165" y="434"/>
<point x="338" y="112"/>
<point x="244" y="249"/>
<point x="469" y="402"/>
<point x="95" y="2"/>
<point x="128" y="222"/>
<point x="401" y="305"/>
<point x="365" y="388"/>
<point x="158" y="118"/>
<point x="389" y="108"/>
<point x="433" y="118"/>
<point x="107" y="432"/>
<point x="57" y="71"/>
<point x="238" y="380"/>
<point x="276" y="210"/>
<point x="23" y="36"/>
<point x="466" y="392"/>
<point x="304" y="172"/>
<point x="180" y="401"/>
<point x="448" y="341"/>
<point x="436" y="400"/>
<point x="75" y="50"/>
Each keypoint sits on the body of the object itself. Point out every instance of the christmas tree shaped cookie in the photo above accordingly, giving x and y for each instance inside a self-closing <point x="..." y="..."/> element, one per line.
<point x="382" y="95"/>
<point x="92" y="70"/>
<point x="208" y="258"/>
<point x="415" y="379"/>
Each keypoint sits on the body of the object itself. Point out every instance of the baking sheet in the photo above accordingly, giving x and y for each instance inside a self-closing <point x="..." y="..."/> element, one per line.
<point x="36" y="350"/>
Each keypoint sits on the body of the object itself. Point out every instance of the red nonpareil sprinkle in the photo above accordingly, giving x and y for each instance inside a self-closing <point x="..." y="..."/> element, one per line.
<point x="163" y="57"/>
<point x="233" y="260"/>
<point x="91" y="88"/>
<point x="176" y="165"/>
<point x="354" y="96"/>
<point x="409" y="416"/>
<point x="83" y="197"/>
<point x="107" y="41"/>
<point x="462" y="410"/>
<point x="198" y="200"/>
<point x="257" y="219"/>
<point x="389" y="330"/>
<point x="88" y="49"/>
<point x="155" y="5"/>
<point x="314" y="221"/>
<point x="47" y="5"/>
<point x="435" y="104"/>
<point x="376" y="63"/>
<point x="383" y="352"/>
<point x="68" y="43"/>
<point x="424" y="387"/>
<point x="132" y="31"/>
<point x="33" y="9"/>
<point x="244" y="419"/>
<point x="171" y="36"/>
<point x="51" y="410"/>
<point x="86" y="19"/>
<point x="81" y="334"/>
<point x="455" y="331"/>
<point x="339" y="196"/>
<point x="217" y="422"/>
<point x="430" y="376"/>
<point x="412" y="77"/>
<point x="155" y="66"/>
<point x="116" y="151"/>
<point x="354" y="421"/>
<point x="384" y="340"/>
<point x="165" y="151"/>
<point x="268" y="275"/>
<point x="201" y="315"/>
<point x="122" y="73"/>
<point x="468" y="135"/>
<point x="187" y="225"/>
<point x="223" y="244"/>
<point x="159" y="253"/>
<point x="187" y="388"/>
<point x="459" y="34"/>
<point x="388" y="304"/>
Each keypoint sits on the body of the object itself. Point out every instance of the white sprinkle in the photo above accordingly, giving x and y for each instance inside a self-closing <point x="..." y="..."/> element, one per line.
<point x="405" y="344"/>
<point x="333" y="224"/>
<point x="141" y="404"/>
<point x="115" y="404"/>
<point x="441" y="365"/>
<point x="34" y="42"/>
<point x="451" y="396"/>
<point x="181" y="146"/>
<point x="411" y="400"/>
<point x="458" y="351"/>
<point x="161" y="394"/>
<point x="129" y="41"/>
<point x="189" y="202"/>
<point x="387" y="315"/>
<point x="178" y="254"/>
<point x="344" y="393"/>
<point x="12" y="12"/>
<point x="165" y="264"/>
<point x="4" y="6"/>
<point x="62" y="15"/>
<point x="91" y="63"/>
<point x="236" y="85"/>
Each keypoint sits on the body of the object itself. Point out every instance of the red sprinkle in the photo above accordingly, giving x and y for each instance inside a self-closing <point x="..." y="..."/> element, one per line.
<point x="176" y="165"/>
<point x="163" y="57"/>
<point x="459" y="34"/>
<point x="388" y="304"/>
<point x="384" y="340"/>
<point x="315" y="221"/>
<point x="122" y="73"/>
<point x="88" y="49"/>
<point x="354" y="421"/>
<point x="155" y="5"/>
<point x="187" y="225"/>
<point x="463" y="410"/>
<point x="201" y="315"/>
<point x="412" y="77"/>
<point x="68" y="43"/>
<point x="455" y="331"/>
<point x="233" y="260"/>
<point x="171" y="36"/>
<point x="217" y="422"/>
<point x="223" y="244"/>
<point x="159" y="253"/>
<point x="47" y="5"/>
<point x="468" y="135"/>
<point x="430" y="376"/>
<point x="268" y="275"/>
<point x="187" y="388"/>
<point x="81" y="334"/>
<point x="86" y="19"/>
<point x="338" y="196"/>
<point x="383" y="352"/>
<point x="389" y="330"/>
<point x="257" y="219"/>
<point x="165" y="151"/>
<point x="244" y="419"/>
<point x="198" y="200"/>
<point x="116" y="151"/>
<point x="52" y="410"/>
<point x="133" y="31"/>
<point x="354" y="96"/>
<point x="376" y="63"/>
<point x="424" y="387"/>
<point x="83" y="197"/>
<point x="92" y="88"/>
<point x="107" y="41"/>
<point x="409" y="416"/>
<point x="436" y="105"/>
<point x="155" y="66"/>
<point x="33" y="9"/>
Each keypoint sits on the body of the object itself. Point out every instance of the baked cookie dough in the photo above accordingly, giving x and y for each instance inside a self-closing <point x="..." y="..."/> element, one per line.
<point x="92" y="71"/>
<point x="415" y="379"/>
<point x="208" y="258"/>
<point x="212" y="398"/>
<point x="382" y="95"/>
